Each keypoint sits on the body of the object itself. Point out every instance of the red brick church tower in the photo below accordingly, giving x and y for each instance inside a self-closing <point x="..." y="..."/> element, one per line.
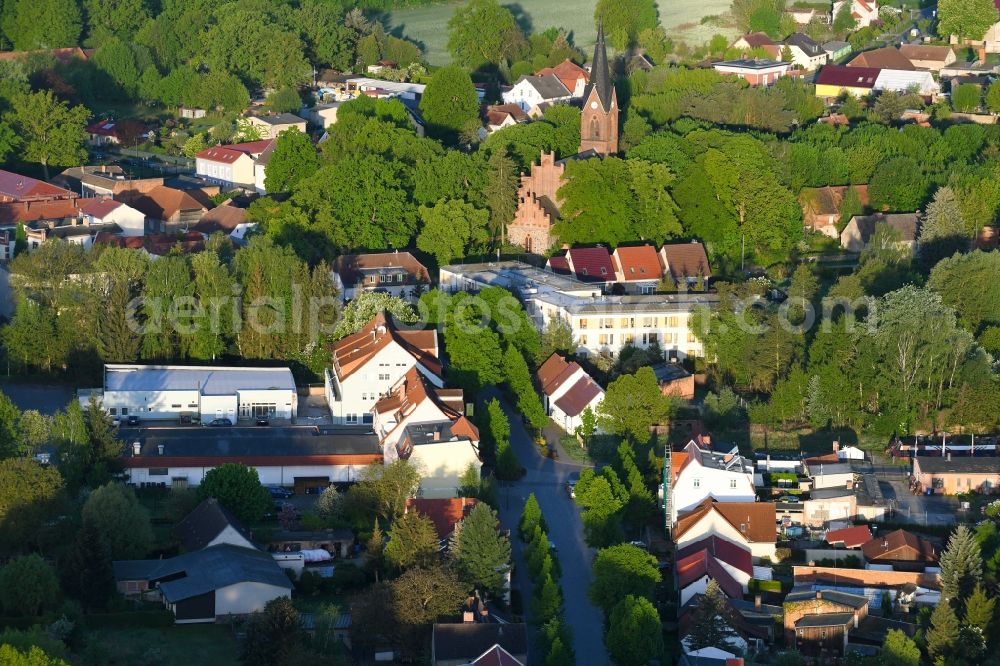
<point x="599" y="121"/>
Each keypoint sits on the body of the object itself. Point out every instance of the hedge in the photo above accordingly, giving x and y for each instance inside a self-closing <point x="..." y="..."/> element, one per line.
<point x="129" y="620"/>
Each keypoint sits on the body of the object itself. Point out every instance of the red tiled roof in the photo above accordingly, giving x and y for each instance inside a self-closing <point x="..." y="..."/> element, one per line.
<point x="701" y="563"/>
<point x="444" y="513"/>
<point x="579" y="396"/>
<point x="591" y="264"/>
<point x="232" y="152"/>
<point x="29" y="211"/>
<point x="354" y="351"/>
<point x="554" y="373"/>
<point x="758" y="518"/>
<point x="351" y="266"/>
<point x="722" y="550"/>
<point x="497" y="113"/>
<point x="559" y="264"/>
<point x="221" y="218"/>
<point x="847" y="77"/>
<point x="99" y="208"/>
<point x="162" y="202"/>
<point x="637" y="263"/>
<point x="568" y="72"/>
<point x="925" y="51"/>
<point x="887" y="57"/>
<point x="687" y="260"/>
<point x="851" y="537"/>
<point x="900" y="546"/>
<point x="24" y="188"/>
<point x="757" y="40"/>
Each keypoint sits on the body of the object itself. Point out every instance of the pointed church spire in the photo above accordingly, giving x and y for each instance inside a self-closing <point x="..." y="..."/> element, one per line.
<point x="600" y="73"/>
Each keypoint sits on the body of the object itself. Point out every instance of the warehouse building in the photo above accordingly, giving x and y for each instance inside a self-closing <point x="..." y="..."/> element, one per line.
<point x="172" y="392"/>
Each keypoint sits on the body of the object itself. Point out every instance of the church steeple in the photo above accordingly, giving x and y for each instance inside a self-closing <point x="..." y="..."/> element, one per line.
<point x="599" y="119"/>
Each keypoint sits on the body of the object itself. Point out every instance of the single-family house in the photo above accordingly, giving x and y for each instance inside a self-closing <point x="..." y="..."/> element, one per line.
<point x="231" y="165"/>
<point x="705" y="473"/>
<point x="587" y="264"/>
<point x="829" y="474"/>
<point x="116" y="132"/>
<point x="369" y="363"/>
<point x="899" y="547"/>
<point x="835" y="80"/>
<point x="396" y="273"/>
<point x="821" y="206"/>
<point x="712" y="558"/>
<point x="928" y="56"/>
<point x="272" y="124"/>
<point x="324" y="114"/>
<point x="531" y="90"/>
<point x="817" y="622"/>
<point x="803" y="15"/>
<point x="211" y="524"/>
<point x="755" y="72"/>
<point x="902" y="81"/>
<point x="756" y="40"/>
<point x="887" y="57"/>
<point x="103" y="211"/>
<point x="686" y="263"/>
<point x="637" y="268"/>
<point x="806" y="53"/>
<point x="750" y="525"/>
<point x="225" y="219"/>
<point x="479" y="644"/>
<point x="168" y="208"/>
<point x="567" y="392"/>
<point x="863" y="11"/>
<point x="861" y="228"/>
<point x="574" y="77"/>
<point x="499" y="116"/>
<point x="16" y="188"/>
<point x="951" y="475"/>
<point x="77" y="221"/>
<point x="837" y="50"/>
<point x="849" y="537"/>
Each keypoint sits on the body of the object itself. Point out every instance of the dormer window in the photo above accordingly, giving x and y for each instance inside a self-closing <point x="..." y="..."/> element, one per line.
<point x="696" y="483"/>
<point x="604" y="271"/>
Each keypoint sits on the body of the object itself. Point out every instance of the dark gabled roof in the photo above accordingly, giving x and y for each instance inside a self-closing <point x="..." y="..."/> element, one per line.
<point x="847" y="77"/>
<point x="452" y="642"/>
<point x="206" y="522"/>
<point x="905" y="224"/>
<point x="825" y="620"/>
<point x="845" y="599"/>
<point x="202" y="571"/>
<point x="548" y="86"/>
<point x="806" y="43"/>
<point x="600" y="72"/>
<point x="962" y="465"/>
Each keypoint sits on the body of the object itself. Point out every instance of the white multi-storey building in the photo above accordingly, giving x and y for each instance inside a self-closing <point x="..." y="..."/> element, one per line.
<point x="600" y="323"/>
<point x="703" y="474"/>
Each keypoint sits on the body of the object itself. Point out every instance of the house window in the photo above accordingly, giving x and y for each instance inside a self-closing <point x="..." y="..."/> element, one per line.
<point x="732" y="483"/>
<point x="113" y="411"/>
<point x="399" y="277"/>
<point x="646" y="289"/>
<point x="383" y="377"/>
<point x="583" y="323"/>
<point x="175" y="406"/>
<point x="583" y="340"/>
<point x="157" y="471"/>
<point x="371" y="279"/>
<point x="124" y="411"/>
<point x="351" y="419"/>
<point x="696" y="483"/>
<point x="671" y="322"/>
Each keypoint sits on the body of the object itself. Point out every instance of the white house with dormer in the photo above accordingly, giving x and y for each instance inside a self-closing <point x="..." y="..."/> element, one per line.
<point x="749" y="525"/>
<point x="368" y="364"/>
<point x="704" y="473"/>
<point x="567" y="392"/>
<point x="863" y="11"/>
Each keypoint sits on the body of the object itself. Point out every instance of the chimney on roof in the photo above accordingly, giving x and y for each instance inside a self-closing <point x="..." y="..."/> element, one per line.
<point x="949" y="456"/>
<point x="756" y="602"/>
<point x="159" y="449"/>
<point x="836" y="446"/>
<point x="437" y="435"/>
<point x="136" y="448"/>
<point x="468" y="617"/>
<point x="819" y="595"/>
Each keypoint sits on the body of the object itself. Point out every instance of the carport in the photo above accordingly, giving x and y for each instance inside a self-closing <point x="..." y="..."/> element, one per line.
<point x="304" y="483"/>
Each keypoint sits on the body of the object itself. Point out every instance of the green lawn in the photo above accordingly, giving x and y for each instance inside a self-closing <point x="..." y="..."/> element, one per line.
<point x="428" y="25"/>
<point x="194" y="645"/>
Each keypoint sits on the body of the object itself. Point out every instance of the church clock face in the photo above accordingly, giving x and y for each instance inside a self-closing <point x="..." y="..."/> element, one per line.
<point x="593" y="105"/>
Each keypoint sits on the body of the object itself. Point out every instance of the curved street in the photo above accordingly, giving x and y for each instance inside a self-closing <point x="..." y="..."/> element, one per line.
<point x="547" y="479"/>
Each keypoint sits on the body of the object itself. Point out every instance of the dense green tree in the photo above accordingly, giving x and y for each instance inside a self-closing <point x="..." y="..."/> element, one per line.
<point x="515" y="371"/>
<point x="390" y="486"/>
<point x="531" y="516"/>
<point x="964" y="283"/>
<point x="272" y="636"/>
<point x="252" y="42"/>
<point x="943" y="219"/>
<point x="710" y="626"/>
<point x="484" y="33"/>
<point x="28" y="586"/>
<point x="116" y="60"/>
<point x="632" y="404"/>
<point x="284" y="100"/>
<point x="961" y="566"/>
<point x="993" y="97"/>
<point x="452" y="229"/>
<point x="32" y="656"/>
<point x="966" y="97"/>
<point x="237" y="487"/>
<point x="942" y="636"/>
<point x="844" y="21"/>
<point x="363" y="308"/>
<point x="624" y="20"/>
<point x="119" y="341"/>
<point x="117" y="17"/>
<point x="557" y="337"/>
<point x="547" y="601"/>
<point x="413" y="542"/>
<point x="42" y="24"/>
<point x="897" y="185"/>
<point x="293" y="160"/>
<point x="635" y="634"/>
<point x="480" y="551"/>
<point x="899" y="650"/>
<point x="620" y="571"/>
<point x="53" y="132"/>
<point x="450" y="102"/>
<point x="966" y="19"/>
<point x="87" y="573"/>
<point x="121" y="520"/>
<point x="30" y="496"/>
<point x="500" y="191"/>
<point x="980" y="610"/>
<point x="419" y="598"/>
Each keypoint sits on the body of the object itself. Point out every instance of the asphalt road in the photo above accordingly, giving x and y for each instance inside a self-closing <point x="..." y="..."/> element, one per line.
<point x="547" y="478"/>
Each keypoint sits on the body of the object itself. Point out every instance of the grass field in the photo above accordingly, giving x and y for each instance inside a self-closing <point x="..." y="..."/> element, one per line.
<point x="428" y="25"/>
<point x="195" y="645"/>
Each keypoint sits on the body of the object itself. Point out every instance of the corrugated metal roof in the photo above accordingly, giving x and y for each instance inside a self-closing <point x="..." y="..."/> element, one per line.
<point x="207" y="380"/>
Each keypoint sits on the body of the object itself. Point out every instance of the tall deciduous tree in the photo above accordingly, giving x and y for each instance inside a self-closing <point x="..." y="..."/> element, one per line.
<point x="450" y="102"/>
<point x="625" y="19"/>
<point x="272" y="636"/>
<point x="484" y="33"/>
<point x="53" y="132"/>
<point x="966" y="19"/>
<point x="452" y="229"/>
<point x="30" y="495"/>
<point x="632" y="404"/>
<point x="87" y="573"/>
<point x="635" y="634"/>
<point x="620" y="571"/>
<point x="481" y="552"/>
<point x="237" y="487"/>
<point x="293" y="160"/>
<point x="390" y="486"/>
<point x="42" y="24"/>
<point x="964" y="282"/>
<point x="413" y="542"/>
<point x="121" y="520"/>
<point x="28" y="585"/>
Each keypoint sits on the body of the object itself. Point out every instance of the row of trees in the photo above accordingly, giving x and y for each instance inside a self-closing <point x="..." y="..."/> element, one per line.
<point x="555" y="638"/>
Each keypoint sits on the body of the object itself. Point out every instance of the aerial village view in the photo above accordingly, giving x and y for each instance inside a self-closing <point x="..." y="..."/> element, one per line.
<point x="488" y="333"/>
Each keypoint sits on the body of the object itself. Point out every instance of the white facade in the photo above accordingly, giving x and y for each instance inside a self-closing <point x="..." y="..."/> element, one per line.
<point x="700" y="585"/>
<point x="707" y="474"/>
<point x="864" y="11"/>
<point x="166" y="392"/>
<point x="805" y="60"/>
<point x="270" y="475"/>
<point x="713" y="524"/>
<point x="128" y="219"/>
<point x="243" y="598"/>
<point x="441" y="465"/>
<point x="525" y="95"/>
<point x="238" y="172"/>
<point x="904" y="81"/>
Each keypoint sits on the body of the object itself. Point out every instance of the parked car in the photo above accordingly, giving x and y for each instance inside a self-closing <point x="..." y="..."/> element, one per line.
<point x="790" y="499"/>
<point x="638" y="544"/>
<point x="219" y="423"/>
<point x="571" y="484"/>
<point x="132" y="420"/>
<point x="280" y="492"/>
<point x="263" y="421"/>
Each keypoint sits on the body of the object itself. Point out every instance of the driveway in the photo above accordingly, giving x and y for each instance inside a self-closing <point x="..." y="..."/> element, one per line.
<point x="547" y="478"/>
<point x="910" y="508"/>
